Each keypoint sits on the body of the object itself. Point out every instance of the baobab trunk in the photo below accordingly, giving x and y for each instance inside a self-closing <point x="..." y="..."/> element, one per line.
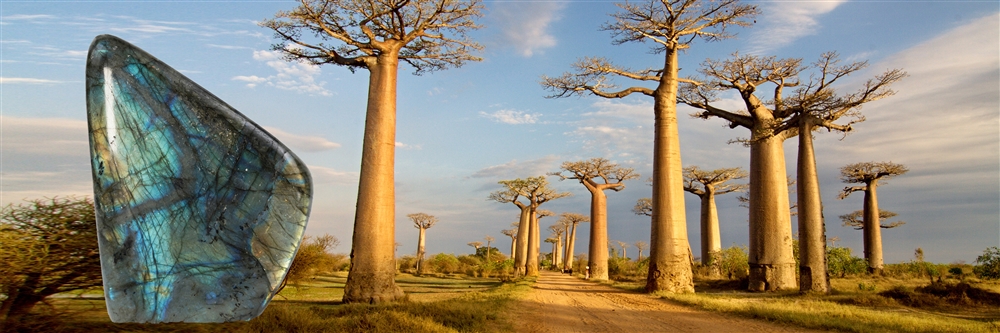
<point x="523" y="231"/>
<point x="557" y="253"/>
<point x="570" y="243"/>
<point x="373" y="259"/>
<point x="534" y="245"/>
<point x="598" y="258"/>
<point x="873" y="230"/>
<point x="711" y="243"/>
<point x="420" y="252"/>
<point x="669" y="251"/>
<point x="813" y="275"/>
<point x="772" y="265"/>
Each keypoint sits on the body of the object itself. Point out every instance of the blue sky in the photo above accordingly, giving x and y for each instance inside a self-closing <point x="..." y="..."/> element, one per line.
<point x="460" y="131"/>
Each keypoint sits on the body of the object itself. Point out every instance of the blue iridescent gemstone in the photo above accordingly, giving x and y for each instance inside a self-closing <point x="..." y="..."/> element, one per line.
<point x="199" y="211"/>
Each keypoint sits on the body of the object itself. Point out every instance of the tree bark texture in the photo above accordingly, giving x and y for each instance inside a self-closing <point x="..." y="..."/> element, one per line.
<point x="420" y="252"/>
<point x="570" y="243"/>
<point x="598" y="257"/>
<point x="772" y="264"/>
<point x="523" y="232"/>
<point x="669" y="251"/>
<point x="557" y="253"/>
<point x="513" y="248"/>
<point x="813" y="274"/>
<point x="534" y="245"/>
<point x="872" y="230"/>
<point x="373" y="260"/>
<point x="711" y="242"/>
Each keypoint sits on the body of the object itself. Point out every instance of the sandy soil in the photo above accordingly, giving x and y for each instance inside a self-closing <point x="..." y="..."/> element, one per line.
<point x="561" y="303"/>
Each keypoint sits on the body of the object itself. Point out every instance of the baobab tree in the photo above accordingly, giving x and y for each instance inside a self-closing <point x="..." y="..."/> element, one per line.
<point x="553" y="241"/>
<point x="537" y="192"/>
<point x="671" y="26"/>
<point x="706" y="185"/>
<point x="512" y="233"/>
<point x="819" y="106"/>
<point x="856" y="220"/>
<point x="489" y="240"/>
<point x="558" y="230"/>
<point x="475" y="245"/>
<point x="423" y="222"/>
<point x="597" y="175"/>
<point x="640" y="246"/>
<point x="534" y="252"/>
<point x="429" y="35"/>
<point x="572" y="219"/>
<point x="623" y="246"/>
<point x="871" y="174"/>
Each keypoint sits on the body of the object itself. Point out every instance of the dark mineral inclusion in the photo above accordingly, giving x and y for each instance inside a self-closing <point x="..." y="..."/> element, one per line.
<point x="199" y="210"/>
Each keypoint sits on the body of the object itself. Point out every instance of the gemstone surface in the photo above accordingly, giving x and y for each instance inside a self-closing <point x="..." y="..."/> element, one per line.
<point x="199" y="211"/>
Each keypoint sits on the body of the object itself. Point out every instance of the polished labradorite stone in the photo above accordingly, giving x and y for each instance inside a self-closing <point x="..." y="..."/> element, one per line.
<point x="199" y="210"/>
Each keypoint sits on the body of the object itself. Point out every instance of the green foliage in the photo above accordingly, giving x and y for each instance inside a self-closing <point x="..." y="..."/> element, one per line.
<point x="313" y="257"/>
<point x="734" y="262"/>
<point x="495" y="254"/>
<point x="989" y="264"/>
<point x="841" y="263"/>
<point x="444" y="263"/>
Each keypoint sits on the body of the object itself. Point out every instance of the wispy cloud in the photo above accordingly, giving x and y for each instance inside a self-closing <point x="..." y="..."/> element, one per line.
<point x="228" y="47"/>
<point x="27" y="17"/>
<point x="514" y="169"/>
<point x="26" y="80"/>
<point x="401" y="145"/>
<point x="325" y="175"/>
<point x="513" y="117"/>
<point x="302" y="142"/>
<point x="296" y="76"/>
<point x="786" y="21"/>
<point x="524" y="25"/>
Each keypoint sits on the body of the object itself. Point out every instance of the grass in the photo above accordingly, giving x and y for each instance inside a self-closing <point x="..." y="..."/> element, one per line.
<point x="433" y="304"/>
<point x="855" y="305"/>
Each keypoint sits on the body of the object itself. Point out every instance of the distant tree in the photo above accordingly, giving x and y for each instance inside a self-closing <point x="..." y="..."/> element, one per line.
<point x="475" y="245"/>
<point x="572" y="219"/>
<point x="856" y="220"/>
<point x="558" y="230"/>
<point x="512" y="233"/>
<point x="536" y="190"/>
<point x="552" y="255"/>
<point x="671" y="26"/>
<point x="597" y="175"/>
<point x="422" y="222"/>
<point x="313" y="256"/>
<point x="534" y="252"/>
<point x="988" y="264"/>
<point x="376" y="35"/>
<point x="640" y="246"/>
<point x="489" y="240"/>
<point x="706" y="185"/>
<point x="871" y="174"/>
<point x="512" y="194"/>
<point x="623" y="246"/>
<point x="47" y="246"/>
<point x="833" y="240"/>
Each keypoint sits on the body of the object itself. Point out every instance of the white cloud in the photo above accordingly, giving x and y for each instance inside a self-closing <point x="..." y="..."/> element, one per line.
<point x="296" y="76"/>
<point x="25" y="80"/>
<point x="228" y="47"/>
<point x="524" y="25"/>
<point x="324" y="175"/>
<point x="512" y="117"/>
<point x="301" y="142"/>
<point x="27" y="17"/>
<point x="786" y="21"/>
<point x="515" y="169"/>
<point x="401" y="145"/>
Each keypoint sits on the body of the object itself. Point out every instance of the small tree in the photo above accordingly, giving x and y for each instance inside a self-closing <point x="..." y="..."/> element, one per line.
<point x="376" y="35"/>
<point x="572" y="219"/>
<point x="597" y="175"/>
<point x="706" y="185"/>
<point x="988" y="264"/>
<point x="313" y="256"/>
<point x="475" y="245"/>
<point x="49" y="246"/>
<point x="512" y="233"/>
<point x="422" y="222"/>
<point x="872" y="174"/>
<point x="640" y="246"/>
<point x="489" y="240"/>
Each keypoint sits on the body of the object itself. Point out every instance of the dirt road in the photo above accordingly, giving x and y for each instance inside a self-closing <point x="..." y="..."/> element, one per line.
<point x="561" y="303"/>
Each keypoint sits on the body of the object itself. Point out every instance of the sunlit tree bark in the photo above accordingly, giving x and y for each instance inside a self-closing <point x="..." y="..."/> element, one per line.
<point x="872" y="174"/>
<point x="572" y="219"/>
<point x="376" y="35"/>
<point x="640" y="246"/>
<point x="536" y="192"/>
<point x="671" y="26"/>
<point x="512" y="233"/>
<point x="598" y="175"/>
<point x="423" y="222"/>
<point x="706" y="185"/>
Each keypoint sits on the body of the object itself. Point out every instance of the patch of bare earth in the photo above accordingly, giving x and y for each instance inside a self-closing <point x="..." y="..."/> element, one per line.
<point x="562" y="303"/>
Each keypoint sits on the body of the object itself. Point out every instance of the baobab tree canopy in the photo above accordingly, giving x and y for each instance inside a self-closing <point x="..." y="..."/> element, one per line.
<point x="429" y="35"/>
<point x="697" y="180"/>
<point x="422" y="221"/>
<point x="856" y="219"/>
<point x="869" y="173"/>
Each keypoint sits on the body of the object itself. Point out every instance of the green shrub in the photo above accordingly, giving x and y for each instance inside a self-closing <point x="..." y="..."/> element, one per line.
<point x="841" y="263"/>
<point x="733" y="262"/>
<point x="988" y="264"/>
<point x="444" y="263"/>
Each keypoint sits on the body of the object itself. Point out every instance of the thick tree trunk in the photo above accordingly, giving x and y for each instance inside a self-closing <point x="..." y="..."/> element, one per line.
<point x="669" y="251"/>
<point x="813" y="275"/>
<point x="534" y="245"/>
<point x="420" y="252"/>
<point x="523" y="232"/>
<point x="373" y="259"/>
<point x="570" y="243"/>
<point x="772" y="264"/>
<point x="872" y="230"/>
<point x="711" y="241"/>
<point x="598" y="258"/>
<point x="557" y="253"/>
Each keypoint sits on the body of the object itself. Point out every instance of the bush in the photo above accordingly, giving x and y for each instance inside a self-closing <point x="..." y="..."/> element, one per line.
<point x="444" y="263"/>
<point x="988" y="264"/>
<point x="734" y="262"/>
<point x="842" y="263"/>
